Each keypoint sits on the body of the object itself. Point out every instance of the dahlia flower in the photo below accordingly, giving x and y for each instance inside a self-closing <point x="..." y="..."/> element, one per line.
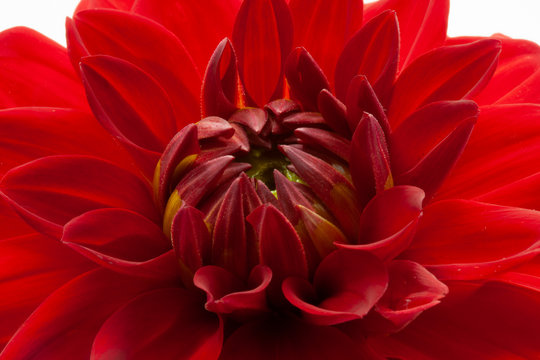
<point x="268" y="179"/>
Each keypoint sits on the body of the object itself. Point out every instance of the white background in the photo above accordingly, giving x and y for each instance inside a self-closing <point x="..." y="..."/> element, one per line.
<point x="515" y="18"/>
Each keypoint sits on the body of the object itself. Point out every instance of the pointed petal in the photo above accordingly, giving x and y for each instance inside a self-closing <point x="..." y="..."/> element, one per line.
<point x="323" y="28"/>
<point x="73" y="315"/>
<point x="461" y="240"/>
<point x="51" y="191"/>
<point x="226" y="294"/>
<point x="327" y="140"/>
<point x="220" y="87"/>
<point x="148" y="326"/>
<point x="373" y="52"/>
<point x="322" y="232"/>
<point x="346" y="286"/>
<point x="305" y="78"/>
<point x="217" y="15"/>
<point x="262" y="37"/>
<point x="422" y="25"/>
<point x="253" y="118"/>
<point x="134" y="38"/>
<point x="461" y="71"/>
<point x="335" y="191"/>
<point x="334" y="113"/>
<point x="36" y="71"/>
<point x="370" y="165"/>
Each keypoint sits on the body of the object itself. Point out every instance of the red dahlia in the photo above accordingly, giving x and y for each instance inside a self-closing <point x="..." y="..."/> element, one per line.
<point x="268" y="180"/>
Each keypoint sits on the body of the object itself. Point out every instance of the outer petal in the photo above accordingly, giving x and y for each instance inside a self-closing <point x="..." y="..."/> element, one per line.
<point x="503" y="151"/>
<point x="35" y="71"/>
<point x="446" y="73"/>
<point x="422" y="24"/>
<point x="191" y="22"/>
<point x="51" y="191"/>
<point x="107" y="4"/>
<point x="31" y="267"/>
<point x="459" y="239"/>
<point x="161" y="324"/>
<point x="323" y="28"/>
<point x="495" y="321"/>
<point x="31" y="133"/>
<point x="289" y="340"/>
<point x="72" y="315"/>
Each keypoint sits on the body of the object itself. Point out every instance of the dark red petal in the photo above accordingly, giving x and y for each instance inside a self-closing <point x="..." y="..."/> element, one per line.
<point x="411" y="290"/>
<point x="373" y="52"/>
<point x="134" y="38"/>
<point x="388" y="222"/>
<point x="334" y="113"/>
<point x="494" y="321"/>
<point x="526" y="275"/>
<point x="31" y="133"/>
<point x="36" y="71"/>
<point x="289" y="196"/>
<point x="335" y="191"/>
<point x="323" y="28"/>
<point x="347" y="284"/>
<point x="503" y="150"/>
<point x="144" y="118"/>
<point x="262" y="37"/>
<point x="51" y="191"/>
<point x="227" y="294"/>
<point x="122" y="241"/>
<point x="422" y="25"/>
<point x="430" y="172"/>
<point x="213" y="127"/>
<point x="33" y="266"/>
<point x="73" y="315"/>
<point x="176" y="159"/>
<point x="162" y="324"/>
<point x="361" y="98"/>
<point x="305" y="78"/>
<point x="424" y="129"/>
<point x="370" y="160"/>
<point x="191" y="238"/>
<point x="446" y="73"/>
<point x="459" y="239"/>
<point x="184" y="18"/>
<point x="220" y="89"/>
<point x="289" y="339"/>
<point x="280" y="247"/>
<point x="253" y="118"/>
<point x="330" y="141"/>
<point x="322" y="233"/>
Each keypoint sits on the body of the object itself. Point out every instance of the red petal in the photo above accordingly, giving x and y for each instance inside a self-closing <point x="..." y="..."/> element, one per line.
<point x="334" y="113"/>
<point x="459" y="239"/>
<point x="72" y="316"/>
<point x="134" y="38"/>
<point x="422" y="24"/>
<point x="370" y="163"/>
<point x="322" y="233"/>
<point x="228" y="294"/>
<point x="126" y="114"/>
<point x="189" y="20"/>
<point x="388" y="222"/>
<point x="526" y="275"/>
<point x="494" y="321"/>
<point x="280" y="247"/>
<point x="161" y="324"/>
<point x="51" y="191"/>
<point x="335" y="191"/>
<point x="373" y="52"/>
<point x="446" y="73"/>
<point x="31" y="133"/>
<point x="220" y="88"/>
<point x="411" y="290"/>
<point x="35" y="71"/>
<point x="305" y="78"/>
<point x="323" y="28"/>
<point x="289" y="340"/>
<point x="190" y="238"/>
<point x="33" y="266"/>
<point x="504" y="149"/>
<point x="347" y="285"/>
<point x="253" y="118"/>
<point x="262" y="38"/>
<point x="330" y="141"/>
<point x="106" y="4"/>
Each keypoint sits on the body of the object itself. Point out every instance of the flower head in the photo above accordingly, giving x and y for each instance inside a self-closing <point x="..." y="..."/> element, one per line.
<point x="317" y="179"/>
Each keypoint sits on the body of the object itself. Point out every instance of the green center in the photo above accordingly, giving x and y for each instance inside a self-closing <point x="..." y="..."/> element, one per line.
<point x="264" y="162"/>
